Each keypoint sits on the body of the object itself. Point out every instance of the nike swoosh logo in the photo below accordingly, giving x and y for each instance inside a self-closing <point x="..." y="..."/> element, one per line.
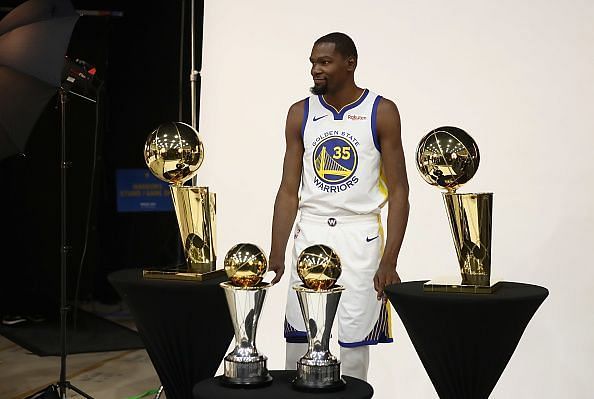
<point x="371" y="239"/>
<point x="316" y="118"/>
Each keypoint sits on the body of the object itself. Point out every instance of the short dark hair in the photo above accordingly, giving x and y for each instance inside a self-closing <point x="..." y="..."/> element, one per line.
<point x="343" y="44"/>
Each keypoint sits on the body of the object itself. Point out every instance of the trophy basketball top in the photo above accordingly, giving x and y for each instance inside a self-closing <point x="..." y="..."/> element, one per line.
<point x="447" y="157"/>
<point x="174" y="152"/>
<point x="245" y="265"/>
<point x="318" y="267"/>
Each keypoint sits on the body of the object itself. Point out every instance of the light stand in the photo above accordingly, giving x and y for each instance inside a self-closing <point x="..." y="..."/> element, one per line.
<point x="35" y="51"/>
<point x="63" y="385"/>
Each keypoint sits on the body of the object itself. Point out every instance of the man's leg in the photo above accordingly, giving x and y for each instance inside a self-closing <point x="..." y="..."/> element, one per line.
<point x="355" y="361"/>
<point x="294" y="352"/>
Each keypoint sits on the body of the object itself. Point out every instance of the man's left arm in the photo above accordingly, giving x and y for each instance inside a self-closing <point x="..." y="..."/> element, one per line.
<point x="394" y="168"/>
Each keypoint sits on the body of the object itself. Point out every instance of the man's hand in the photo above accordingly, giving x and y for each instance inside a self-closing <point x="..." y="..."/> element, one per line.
<point x="386" y="274"/>
<point x="278" y="267"/>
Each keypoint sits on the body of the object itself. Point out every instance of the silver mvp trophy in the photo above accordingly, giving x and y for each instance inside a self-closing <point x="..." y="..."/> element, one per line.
<point x="318" y="267"/>
<point x="245" y="265"/>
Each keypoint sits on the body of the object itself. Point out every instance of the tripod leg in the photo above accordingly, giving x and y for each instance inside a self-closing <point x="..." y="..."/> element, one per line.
<point x="78" y="391"/>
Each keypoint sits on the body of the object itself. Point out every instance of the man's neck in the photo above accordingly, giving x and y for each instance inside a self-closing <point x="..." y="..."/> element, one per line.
<point x="344" y="96"/>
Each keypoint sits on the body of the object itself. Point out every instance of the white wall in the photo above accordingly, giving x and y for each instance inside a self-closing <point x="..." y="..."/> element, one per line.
<point x="516" y="75"/>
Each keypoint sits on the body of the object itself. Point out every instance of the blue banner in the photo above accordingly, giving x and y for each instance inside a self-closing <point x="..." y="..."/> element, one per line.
<point x="139" y="191"/>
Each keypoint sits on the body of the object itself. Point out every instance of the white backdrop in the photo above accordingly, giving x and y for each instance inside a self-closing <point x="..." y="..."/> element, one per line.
<point x="518" y="76"/>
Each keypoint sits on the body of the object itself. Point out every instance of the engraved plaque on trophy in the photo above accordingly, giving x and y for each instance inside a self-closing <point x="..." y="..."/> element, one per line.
<point x="318" y="267"/>
<point x="174" y="152"/>
<point x="448" y="157"/>
<point x="245" y="265"/>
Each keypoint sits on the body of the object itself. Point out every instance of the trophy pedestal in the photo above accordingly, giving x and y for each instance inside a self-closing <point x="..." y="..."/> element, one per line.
<point x="453" y="286"/>
<point x="181" y="274"/>
<point x="318" y="378"/>
<point x="241" y="373"/>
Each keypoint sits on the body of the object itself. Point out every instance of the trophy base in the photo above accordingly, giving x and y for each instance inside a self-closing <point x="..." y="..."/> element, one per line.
<point x="242" y="374"/>
<point x="451" y="287"/>
<point x="180" y="273"/>
<point x="234" y="383"/>
<point x="318" y="378"/>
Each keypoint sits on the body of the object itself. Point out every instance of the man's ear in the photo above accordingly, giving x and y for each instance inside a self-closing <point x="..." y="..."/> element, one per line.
<point x="351" y="63"/>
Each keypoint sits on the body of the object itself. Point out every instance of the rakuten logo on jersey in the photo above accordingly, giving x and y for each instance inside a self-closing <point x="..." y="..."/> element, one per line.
<point x="357" y="117"/>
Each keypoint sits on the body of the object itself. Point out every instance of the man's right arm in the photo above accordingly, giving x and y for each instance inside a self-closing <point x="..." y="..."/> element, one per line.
<point x="287" y="198"/>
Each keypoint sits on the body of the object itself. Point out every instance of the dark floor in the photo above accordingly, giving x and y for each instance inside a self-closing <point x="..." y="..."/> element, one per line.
<point x="107" y="375"/>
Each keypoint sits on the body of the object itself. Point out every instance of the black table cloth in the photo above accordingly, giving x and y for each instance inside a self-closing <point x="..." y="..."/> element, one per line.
<point x="465" y="340"/>
<point x="185" y="326"/>
<point x="280" y="389"/>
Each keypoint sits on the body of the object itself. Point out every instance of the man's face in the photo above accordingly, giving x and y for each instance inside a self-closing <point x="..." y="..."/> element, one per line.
<point x="329" y="68"/>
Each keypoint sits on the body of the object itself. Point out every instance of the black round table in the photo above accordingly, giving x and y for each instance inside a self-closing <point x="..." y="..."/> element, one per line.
<point x="185" y="326"/>
<point x="465" y="340"/>
<point x="280" y="389"/>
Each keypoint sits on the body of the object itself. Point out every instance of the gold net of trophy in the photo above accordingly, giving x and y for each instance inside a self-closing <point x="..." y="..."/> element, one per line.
<point x="174" y="152"/>
<point x="447" y="157"/>
<point x="245" y="265"/>
<point x="318" y="267"/>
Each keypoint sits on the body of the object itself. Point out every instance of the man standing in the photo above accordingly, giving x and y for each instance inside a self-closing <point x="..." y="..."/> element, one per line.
<point x="343" y="162"/>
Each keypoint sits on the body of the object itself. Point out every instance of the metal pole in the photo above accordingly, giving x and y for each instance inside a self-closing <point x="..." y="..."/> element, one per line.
<point x="182" y="25"/>
<point x="63" y="384"/>
<point x="180" y="116"/>
<point x="193" y="71"/>
<point x="64" y="246"/>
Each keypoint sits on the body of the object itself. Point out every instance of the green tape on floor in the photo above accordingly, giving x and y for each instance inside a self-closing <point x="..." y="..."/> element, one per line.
<point x="147" y="393"/>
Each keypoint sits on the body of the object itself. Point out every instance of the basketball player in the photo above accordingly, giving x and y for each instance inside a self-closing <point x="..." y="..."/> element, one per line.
<point x="343" y="162"/>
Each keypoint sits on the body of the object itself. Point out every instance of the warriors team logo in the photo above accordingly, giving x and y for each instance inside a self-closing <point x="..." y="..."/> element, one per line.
<point x="335" y="160"/>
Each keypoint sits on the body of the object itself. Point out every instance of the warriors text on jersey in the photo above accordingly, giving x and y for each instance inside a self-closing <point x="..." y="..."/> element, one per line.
<point x="341" y="159"/>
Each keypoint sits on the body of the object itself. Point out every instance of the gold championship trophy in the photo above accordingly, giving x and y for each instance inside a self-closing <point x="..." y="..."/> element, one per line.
<point x="174" y="153"/>
<point x="245" y="265"/>
<point x="318" y="268"/>
<point x="448" y="157"/>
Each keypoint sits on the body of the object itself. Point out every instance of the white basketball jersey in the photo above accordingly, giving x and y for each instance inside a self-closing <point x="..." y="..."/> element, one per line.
<point x="342" y="171"/>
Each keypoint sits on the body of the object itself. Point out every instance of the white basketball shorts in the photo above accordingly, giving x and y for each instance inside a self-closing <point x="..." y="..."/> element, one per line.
<point x="358" y="240"/>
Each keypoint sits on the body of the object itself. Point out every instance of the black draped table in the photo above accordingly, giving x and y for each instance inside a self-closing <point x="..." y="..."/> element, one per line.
<point x="465" y="340"/>
<point x="280" y="389"/>
<point x="185" y="326"/>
